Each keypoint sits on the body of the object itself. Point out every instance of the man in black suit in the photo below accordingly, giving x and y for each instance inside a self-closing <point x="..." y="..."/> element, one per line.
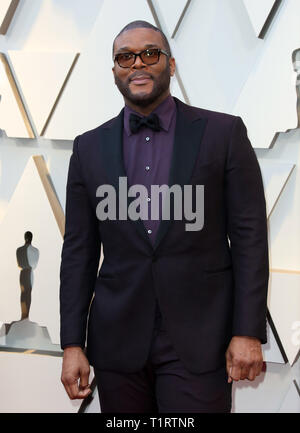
<point x="178" y="313"/>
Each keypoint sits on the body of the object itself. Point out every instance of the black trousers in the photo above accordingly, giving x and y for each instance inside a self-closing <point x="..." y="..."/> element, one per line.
<point x="163" y="385"/>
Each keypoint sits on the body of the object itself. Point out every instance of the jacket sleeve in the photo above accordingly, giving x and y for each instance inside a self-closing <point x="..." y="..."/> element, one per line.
<point x="247" y="232"/>
<point x="79" y="258"/>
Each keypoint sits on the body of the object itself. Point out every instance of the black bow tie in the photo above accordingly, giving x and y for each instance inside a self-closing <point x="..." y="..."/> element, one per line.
<point x="136" y="122"/>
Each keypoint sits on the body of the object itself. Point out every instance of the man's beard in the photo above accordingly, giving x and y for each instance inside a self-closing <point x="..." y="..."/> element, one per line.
<point x="160" y="85"/>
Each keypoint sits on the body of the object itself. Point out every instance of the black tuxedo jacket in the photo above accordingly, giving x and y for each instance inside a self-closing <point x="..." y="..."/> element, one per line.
<point x="210" y="284"/>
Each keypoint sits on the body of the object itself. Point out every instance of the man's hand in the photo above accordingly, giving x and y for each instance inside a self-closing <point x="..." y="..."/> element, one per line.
<point x="75" y="366"/>
<point x="244" y="359"/>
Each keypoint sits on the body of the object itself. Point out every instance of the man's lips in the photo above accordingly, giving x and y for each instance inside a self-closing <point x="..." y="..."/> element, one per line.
<point x="141" y="79"/>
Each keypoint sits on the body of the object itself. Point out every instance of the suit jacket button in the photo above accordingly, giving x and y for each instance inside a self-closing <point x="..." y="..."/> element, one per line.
<point x="154" y="258"/>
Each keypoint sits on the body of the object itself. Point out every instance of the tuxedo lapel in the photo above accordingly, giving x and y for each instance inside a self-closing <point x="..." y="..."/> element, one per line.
<point x="189" y="132"/>
<point x="111" y="152"/>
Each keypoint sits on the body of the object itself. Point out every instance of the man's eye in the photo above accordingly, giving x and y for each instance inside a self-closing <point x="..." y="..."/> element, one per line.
<point x="125" y="56"/>
<point x="151" y="53"/>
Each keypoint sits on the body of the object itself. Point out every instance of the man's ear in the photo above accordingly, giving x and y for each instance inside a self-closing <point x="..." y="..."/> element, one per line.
<point x="172" y="66"/>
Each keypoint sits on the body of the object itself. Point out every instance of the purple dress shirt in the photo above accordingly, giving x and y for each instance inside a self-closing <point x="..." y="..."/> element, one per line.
<point x="147" y="155"/>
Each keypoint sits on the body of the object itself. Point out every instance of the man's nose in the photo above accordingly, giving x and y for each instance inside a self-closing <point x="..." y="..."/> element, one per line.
<point x="138" y="63"/>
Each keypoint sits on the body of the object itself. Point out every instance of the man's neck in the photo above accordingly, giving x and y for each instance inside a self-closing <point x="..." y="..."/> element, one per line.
<point x="145" y="111"/>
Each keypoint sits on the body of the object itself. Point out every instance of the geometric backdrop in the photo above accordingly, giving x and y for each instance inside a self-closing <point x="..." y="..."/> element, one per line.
<point x="239" y="57"/>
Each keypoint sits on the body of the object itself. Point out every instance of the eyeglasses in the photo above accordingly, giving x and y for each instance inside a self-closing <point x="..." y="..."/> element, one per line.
<point x="149" y="57"/>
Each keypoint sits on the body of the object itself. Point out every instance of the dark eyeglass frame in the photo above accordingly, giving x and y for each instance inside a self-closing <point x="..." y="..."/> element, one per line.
<point x="159" y="51"/>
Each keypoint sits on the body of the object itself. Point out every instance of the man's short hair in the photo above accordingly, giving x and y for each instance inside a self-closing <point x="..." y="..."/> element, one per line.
<point x="139" y="24"/>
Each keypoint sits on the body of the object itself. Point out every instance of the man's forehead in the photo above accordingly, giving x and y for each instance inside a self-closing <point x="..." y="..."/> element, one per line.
<point x="138" y="38"/>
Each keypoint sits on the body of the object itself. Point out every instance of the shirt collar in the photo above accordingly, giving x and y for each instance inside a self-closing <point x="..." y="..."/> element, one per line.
<point x="165" y="112"/>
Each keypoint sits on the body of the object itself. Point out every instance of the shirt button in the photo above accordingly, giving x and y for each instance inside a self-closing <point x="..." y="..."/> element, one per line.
<point x="149" y="231"/>
<point x="148" y="198"/>
<point x="147" y="167"/>
<point x="147" y="138"/>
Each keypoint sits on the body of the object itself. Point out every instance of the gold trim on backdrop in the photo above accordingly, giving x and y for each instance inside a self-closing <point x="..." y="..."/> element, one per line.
<point x="51" y="194"/>
<point x="158" y="25"/>
<point x="269" y="19"/>
<point x="59" y="95"/>
<point x="285" y="271"/>
<point x="9" y="16"/>
<point x="17" y="95"/>
<point x="281" y="191"/>
<point x="181" y="18"/>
